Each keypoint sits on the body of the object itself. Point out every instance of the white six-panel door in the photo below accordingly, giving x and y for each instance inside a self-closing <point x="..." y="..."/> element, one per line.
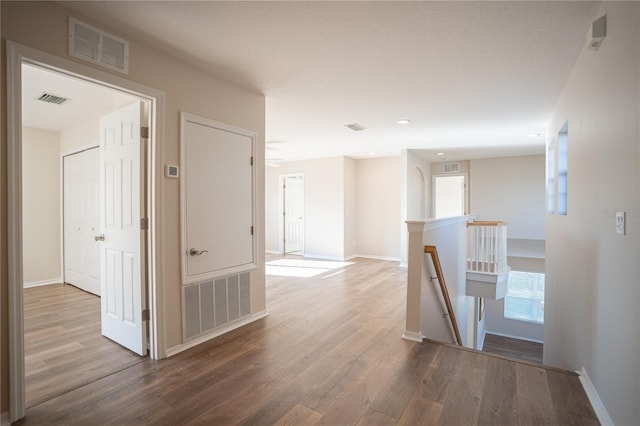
<point x="293" y="191"/>
<point x="81" y="252"/>
<point x="121" y="260"/>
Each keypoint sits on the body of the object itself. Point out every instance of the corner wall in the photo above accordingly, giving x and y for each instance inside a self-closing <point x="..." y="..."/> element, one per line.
<point x="41" y="207"/>
<point x="591" y="301"/>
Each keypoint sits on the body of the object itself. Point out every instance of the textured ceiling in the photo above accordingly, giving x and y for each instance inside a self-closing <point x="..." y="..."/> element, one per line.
<point x="474" y="78"/>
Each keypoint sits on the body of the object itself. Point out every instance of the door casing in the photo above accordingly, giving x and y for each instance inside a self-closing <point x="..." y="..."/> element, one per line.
<point x="18" y="54"/>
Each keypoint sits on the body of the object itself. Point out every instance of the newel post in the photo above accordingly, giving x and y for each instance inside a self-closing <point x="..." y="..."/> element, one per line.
<point x="415" y="261"/>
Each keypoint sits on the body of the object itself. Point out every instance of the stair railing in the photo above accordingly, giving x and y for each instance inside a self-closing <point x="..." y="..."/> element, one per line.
<point x="431" y="250"/>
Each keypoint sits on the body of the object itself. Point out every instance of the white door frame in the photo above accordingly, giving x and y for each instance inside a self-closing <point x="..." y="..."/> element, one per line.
<point x="281" y="226"/>
<point x="466" y="191"/>
<point x="18" y="54"/>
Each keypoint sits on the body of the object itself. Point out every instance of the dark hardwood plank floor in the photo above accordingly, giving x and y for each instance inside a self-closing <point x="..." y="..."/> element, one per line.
<point x="64" y="348"/>
<point x="329" y="353"/>
<point x="514" y="348"/>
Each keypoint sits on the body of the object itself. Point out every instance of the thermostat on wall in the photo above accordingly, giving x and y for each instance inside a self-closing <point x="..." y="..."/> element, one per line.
<point x="171" y="171"/>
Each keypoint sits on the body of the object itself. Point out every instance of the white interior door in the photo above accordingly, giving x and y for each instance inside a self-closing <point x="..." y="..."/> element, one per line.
<point x="121" y="260"/>
<point x="293" y="190"/>
<point x="449" y="196"/>
<point x="81" y="253"/>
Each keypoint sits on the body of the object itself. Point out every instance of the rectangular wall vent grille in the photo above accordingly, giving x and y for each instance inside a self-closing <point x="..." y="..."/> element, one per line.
<point x="96" y="46"/>
<point x="52" y="99"/>
<point x="211" y="304"/>
<point x="451" y="167"/>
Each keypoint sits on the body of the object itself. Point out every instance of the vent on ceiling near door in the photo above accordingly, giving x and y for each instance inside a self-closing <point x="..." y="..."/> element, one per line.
<point x="451" y="167"/>
<point x="355" y="127"/>
<point x="96" y="46"/>
<point x="52" y="99"/>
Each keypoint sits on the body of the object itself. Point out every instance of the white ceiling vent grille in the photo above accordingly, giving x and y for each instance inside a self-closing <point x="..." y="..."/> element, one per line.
<point x="451" y="167"/>
<point x="355" y="127"/>
<point x="52" y="99"/>
<point x="96" y="46"/>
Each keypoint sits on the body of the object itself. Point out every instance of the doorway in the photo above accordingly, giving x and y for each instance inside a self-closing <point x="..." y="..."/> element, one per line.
<point x="292" y="195"/>
<point x="18" y="57"/>
<point x="450" y="195"/>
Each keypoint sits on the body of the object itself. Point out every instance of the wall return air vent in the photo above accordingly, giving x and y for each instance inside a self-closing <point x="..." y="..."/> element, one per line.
<point x="355" y="127"/>
<point x="94" y="45"/>
<point x="451" y="167"/>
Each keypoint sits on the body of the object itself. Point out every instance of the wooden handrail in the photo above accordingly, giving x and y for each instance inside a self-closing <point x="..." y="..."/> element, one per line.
<point x="486" y="223"/>
<point x="443" y="287"/>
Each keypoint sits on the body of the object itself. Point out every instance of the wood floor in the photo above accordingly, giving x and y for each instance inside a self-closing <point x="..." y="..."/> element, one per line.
<point x="64" y="348"/>
<point x="514" y="348"/>
<point x="329" y="353"/>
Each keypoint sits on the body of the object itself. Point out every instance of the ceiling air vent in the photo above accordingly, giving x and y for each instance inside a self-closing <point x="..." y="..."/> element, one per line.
<point x="355" y="127"/>
<point x="52" y="99"/>
<point x="451" y="167"/>
<point x="94" y="45"/>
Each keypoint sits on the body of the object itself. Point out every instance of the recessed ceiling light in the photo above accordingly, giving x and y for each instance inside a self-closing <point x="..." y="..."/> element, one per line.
<point x="440" y="154"/>
<point x="403" y="121"/>
<point x="534" y="135"/>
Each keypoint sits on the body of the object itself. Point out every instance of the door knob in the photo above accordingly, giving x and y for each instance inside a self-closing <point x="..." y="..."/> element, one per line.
<point x="99" y="237"/>
<point x="196" y="252"/>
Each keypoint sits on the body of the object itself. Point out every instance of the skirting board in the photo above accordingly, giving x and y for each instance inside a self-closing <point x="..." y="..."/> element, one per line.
<point x="372" y="256"/>
<point x="511" y="336"/>
<point x="43" y="282"/>
<point x="594" y="398"/>
<point x="412" y="336"/>
<point x="215" y="333"/>
<point x="273" y="252"/>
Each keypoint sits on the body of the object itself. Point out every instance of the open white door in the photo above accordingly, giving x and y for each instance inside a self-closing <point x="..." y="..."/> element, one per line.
<point x="121" y="240"/>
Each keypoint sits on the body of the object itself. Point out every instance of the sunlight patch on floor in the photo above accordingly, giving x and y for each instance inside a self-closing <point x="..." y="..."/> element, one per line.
<point x="302" y="268"/>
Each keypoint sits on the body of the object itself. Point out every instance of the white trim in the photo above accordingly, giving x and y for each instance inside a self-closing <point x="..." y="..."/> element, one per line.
<point x="273" y="251"/>
<point x="511" y="336"/>
<point x="327" y="257"/>
<point x="216" y="333"/>
<point x="41" y="283"/>
<point x="412" y="336"/>
<point x="594" y="398"/>
<point x="372" y="256"/>
<point x="18" y="54"/>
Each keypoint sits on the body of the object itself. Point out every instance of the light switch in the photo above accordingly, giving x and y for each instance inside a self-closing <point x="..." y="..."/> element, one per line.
<point x="620" y="223"/>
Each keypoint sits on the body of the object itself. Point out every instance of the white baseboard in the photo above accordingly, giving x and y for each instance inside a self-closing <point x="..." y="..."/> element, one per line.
<point x="412" y="336"/>
<point x="372" y="256"/>
<point x="43" y="282"/>
<point x="273" y="251"/>
<point x="404" y="265"/>
<point x="594" y="398"/>
<point x="4" y="419"/>
<point x="215" y="333"/>
<point x="511" y="336"/>
<point x="324" y="257"/>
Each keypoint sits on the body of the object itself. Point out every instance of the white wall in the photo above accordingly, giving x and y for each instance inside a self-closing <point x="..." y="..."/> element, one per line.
<point x="415" y="193"/>
<point x="350" y="208"/>
<point x="41" y="206"/>
<point x="592" y="277"/>
<point x="378" y="200"/>
<point x="510" y="189"/>
<point x="323" y="204"/>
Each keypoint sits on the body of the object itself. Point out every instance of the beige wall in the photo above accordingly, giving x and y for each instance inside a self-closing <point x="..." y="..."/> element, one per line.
<point x="378" y="200"/>
<point x="510" y="189"/>
<point x="323" y="204"/>
<point x="41" y="206"/>
<point x="415" y="193"/>
<point x="592" y="291"/>
<point x="350" y="208"/>
<point x="44" y="26"/>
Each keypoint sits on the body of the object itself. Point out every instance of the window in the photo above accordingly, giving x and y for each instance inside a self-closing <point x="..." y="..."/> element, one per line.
<point x="563" y="152"/>
<point x="551" y="181"/>
<point x="525" y="297"/>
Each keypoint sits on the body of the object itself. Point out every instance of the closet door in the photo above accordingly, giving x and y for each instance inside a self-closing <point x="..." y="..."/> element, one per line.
<point x="81" y="253"/>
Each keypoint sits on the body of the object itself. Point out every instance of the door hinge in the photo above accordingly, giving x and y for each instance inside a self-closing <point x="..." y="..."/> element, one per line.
<point x="252" y="230"/>
<point x="251" y="161"/>
<point x="144" y="132"/>
<point x="146" y="315"/>
<point x="144" y="223"/>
